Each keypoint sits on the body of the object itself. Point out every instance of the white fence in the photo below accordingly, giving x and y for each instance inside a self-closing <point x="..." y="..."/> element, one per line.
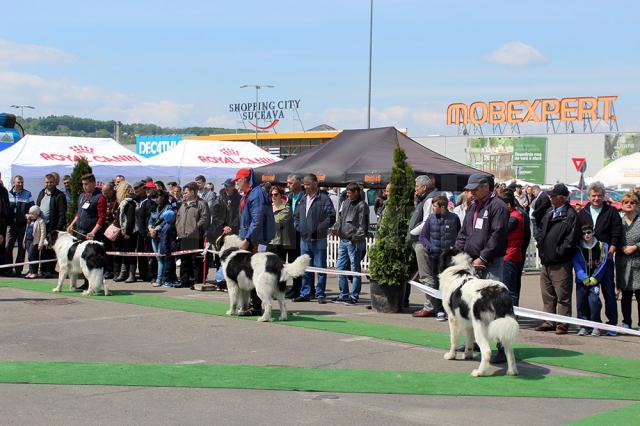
<point x="532" y="262"/>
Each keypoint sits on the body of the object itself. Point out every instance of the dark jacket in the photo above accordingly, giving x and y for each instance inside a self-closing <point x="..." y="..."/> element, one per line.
<point x="143" y="212"/>
<point x="559" y="236"/>
<point x="354" y="220"/>
<point x="257" y="223"/>
<point x="541" y="207"/>
<point x="91" y="211"/>
<point x="226" y="212"/>
<point x="486" y="240"/>
<point x="5" y="210"/>
<point x="57" y="210"/>
<point x="20" y="203"/>
<point x="608" y="226"/>
<point x="315" y="225"/>
<point x="440" y="232"/>
<point x="168" y="239"/>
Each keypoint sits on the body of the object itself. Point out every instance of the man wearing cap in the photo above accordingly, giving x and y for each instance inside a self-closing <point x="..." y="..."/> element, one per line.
<point x="483" y="235"/>
<point x="313" y="218"/>
<point x="607" y="228"/>
<point x="257" y="224"/>
<point x="225" y="218"/>
<point x="559" y="235"/>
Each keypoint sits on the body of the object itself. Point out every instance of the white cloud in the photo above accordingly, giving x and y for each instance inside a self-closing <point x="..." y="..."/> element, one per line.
<point x="517" y="54"/>
<point x="222" y="120"/>
<point x="11" y="52"/>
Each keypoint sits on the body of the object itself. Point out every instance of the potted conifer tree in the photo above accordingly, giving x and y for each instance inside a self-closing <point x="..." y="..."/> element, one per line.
<point x="391" y="256"/>
<point x="81" y="168"/>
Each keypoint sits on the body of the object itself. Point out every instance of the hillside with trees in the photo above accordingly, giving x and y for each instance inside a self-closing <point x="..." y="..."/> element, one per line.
<point x="67" y="125"/>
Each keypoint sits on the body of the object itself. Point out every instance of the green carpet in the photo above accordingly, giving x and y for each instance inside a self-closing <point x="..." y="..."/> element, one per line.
<point x="625" y="416"/>
<point x="597" y="363"/>
<point x="316" y="379"/>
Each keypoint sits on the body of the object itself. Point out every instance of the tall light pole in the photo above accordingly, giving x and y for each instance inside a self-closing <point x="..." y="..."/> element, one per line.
<point x="21" y="108"/>
<point x="370" y="56"/>
<point x="257" y="87"/>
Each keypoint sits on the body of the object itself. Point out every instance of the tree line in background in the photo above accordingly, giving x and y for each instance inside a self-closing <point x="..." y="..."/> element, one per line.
<point x="67" y="125"/>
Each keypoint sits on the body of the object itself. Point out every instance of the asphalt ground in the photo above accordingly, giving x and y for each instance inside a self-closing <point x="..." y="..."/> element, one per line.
<point x="48" y="328"/>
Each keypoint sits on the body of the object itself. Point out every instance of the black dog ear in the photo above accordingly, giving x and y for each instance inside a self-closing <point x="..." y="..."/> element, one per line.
<point x="446" y="258"/>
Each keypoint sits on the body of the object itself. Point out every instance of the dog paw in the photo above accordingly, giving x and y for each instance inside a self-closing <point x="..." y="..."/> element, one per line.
<point x="86" y="293"/>
<point x="263" y="319"/>
<point x="282" y="318"/>
<point x="450" y="355"/>
<point x="229" y="312"/>
<point x="512" y="372"/>
<point x="56" y="290"/>
<point x="478" y="373"/>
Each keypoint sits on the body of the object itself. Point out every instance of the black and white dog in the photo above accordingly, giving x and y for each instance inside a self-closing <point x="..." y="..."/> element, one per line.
<point x="482" y="308"/>
<point x="77" y="258"/>
<point x="265" y="272"/>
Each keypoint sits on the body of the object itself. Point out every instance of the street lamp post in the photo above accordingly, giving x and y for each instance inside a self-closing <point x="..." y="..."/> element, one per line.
<point x="21" y="108"/>
<point x="370" y="57"/>
<point x="257" y="87"/>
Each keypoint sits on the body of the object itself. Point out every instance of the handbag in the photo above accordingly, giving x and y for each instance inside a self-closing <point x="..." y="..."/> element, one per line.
<point x="112" y="232"/>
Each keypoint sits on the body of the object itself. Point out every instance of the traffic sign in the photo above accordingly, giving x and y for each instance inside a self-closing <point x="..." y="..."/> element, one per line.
<point x="580" y="163"/>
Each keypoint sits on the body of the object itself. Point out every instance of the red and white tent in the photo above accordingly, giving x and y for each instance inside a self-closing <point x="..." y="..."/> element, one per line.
<point x="34" y="156"/>
<point x="215" y="160"/>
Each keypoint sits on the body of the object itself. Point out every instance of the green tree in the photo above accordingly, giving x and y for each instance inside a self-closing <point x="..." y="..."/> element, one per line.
<point x="391" y="256"/>
<point x="81" y="168"/>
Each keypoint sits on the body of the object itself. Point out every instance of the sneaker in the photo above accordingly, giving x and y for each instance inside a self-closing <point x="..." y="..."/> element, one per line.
<point x="583" y="332"/>
<point x="322" y="300"/>
<point x="612" y="333"/>
<point x="625" y="326"/>
<point x="441" y="316"/>
<point x="157" y="284"/>
<point x="170" y="284"/>
<point x="340" y="300"/>
<point x="597" y="332"/>
<point x="352" y="301"/>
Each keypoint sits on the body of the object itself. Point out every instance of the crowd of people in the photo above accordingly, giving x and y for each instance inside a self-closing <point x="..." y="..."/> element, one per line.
<point x="597" y="247"/>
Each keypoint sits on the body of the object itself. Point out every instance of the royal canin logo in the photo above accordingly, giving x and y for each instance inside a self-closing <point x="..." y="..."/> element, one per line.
<point x="81" y="149"/>
<point x="229" y="151"/>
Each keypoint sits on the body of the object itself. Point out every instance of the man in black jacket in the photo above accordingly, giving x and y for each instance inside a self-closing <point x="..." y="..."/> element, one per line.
<point x="294" y="183"/>
<point x="483" y="235"/>
<point x="225" y="218"/>
<point x="607" y="228"/>
<point x="557" y="244"/>
<point x="53" y="205"/>
<point x="143" y="211"/>
<point x="540" y="205"/>
<point x="352" y="228"/>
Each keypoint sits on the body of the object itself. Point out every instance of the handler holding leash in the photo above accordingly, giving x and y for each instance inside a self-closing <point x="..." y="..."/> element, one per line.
<point x="483" y="235"/>
<point x="92" y="210"/>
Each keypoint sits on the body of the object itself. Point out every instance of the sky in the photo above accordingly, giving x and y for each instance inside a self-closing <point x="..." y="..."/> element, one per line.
<point x="182" y="63"/>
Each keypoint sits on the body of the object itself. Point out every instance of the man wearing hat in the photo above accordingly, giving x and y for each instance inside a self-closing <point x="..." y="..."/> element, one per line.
<point x="257" y="224"/>
<point x="557" y="244"/>
<point x="483" y="235"/>
<point x="225" y="218"/>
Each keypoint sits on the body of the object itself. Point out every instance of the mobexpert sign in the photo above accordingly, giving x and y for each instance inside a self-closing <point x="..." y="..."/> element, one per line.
<point x="523" y="111"/>
<point x="271" y="111"/>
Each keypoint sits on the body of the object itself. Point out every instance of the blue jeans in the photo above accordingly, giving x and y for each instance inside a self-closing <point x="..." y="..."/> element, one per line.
<point x="588" y="302"/>
<point x="494" y="271"/>
<point x="161" y="261"/>
<point x="350" y="253"/>
<point x="609" y="294"/>
<point x="317" y="251"/>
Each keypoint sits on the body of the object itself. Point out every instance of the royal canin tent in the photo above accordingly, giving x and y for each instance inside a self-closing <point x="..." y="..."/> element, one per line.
<point x="367" y="156"/>
<point x="215" y="160"/>
<point x="34" y="156"/>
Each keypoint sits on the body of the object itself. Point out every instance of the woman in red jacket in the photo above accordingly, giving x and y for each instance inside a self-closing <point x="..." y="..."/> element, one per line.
<point x="515" y="238"/>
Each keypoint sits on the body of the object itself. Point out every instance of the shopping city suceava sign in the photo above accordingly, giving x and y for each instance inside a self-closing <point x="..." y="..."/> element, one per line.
<point x="269" y="111"/>
<point x="538" y="110"/>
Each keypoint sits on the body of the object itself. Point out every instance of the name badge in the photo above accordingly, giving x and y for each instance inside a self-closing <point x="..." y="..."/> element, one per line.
<point x="479" y="223"/>
<point x="86" y="205"/>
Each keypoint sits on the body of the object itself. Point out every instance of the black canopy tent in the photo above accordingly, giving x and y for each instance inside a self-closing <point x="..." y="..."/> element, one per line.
<point x="366" y="156"/>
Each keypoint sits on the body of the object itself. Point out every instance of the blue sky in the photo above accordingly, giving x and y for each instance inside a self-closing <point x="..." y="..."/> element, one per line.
<point x="181" y="63"/>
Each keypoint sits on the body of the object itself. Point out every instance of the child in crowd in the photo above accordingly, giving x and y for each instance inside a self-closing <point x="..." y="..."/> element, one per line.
<point x="589" y="265"/>
<point x="439" y="233"/>
<point x="168" y="244"/>
<point x="34" y="239"/>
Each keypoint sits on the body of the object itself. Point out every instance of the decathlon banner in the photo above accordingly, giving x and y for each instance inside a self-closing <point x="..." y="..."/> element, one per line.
<point x="34" y="156"/>
<point x="216" y="160"/>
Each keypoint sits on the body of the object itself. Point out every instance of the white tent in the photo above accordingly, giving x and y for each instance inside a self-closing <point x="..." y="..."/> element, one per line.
<point x="215" y="160"/>
<point x="34" y="156"/>
<point x="624" y="171"/>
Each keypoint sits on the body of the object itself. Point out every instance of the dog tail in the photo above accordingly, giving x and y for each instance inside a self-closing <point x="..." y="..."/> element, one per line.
<point x="504" y="329"/>
<point x="295" y="269"/>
